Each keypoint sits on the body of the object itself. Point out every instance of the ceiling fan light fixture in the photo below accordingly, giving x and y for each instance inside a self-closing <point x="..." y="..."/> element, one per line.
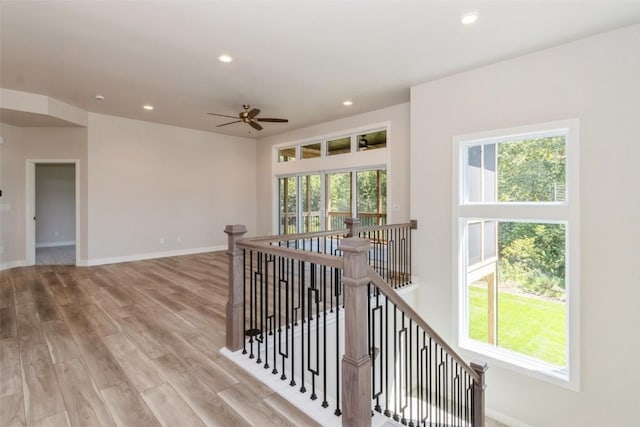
<point x="347" y="103"/>
<point x="225" y="58"/>
<point x="148" y="107"/>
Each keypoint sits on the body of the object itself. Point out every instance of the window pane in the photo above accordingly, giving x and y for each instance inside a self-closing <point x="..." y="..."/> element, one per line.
<point x="372" y="140"/>
<point x="338" y="200"/>
<point x="474" y="174"/>
<point x="474" y="244"/>
<point x="489" y="239"/>
<point x="310" y="194"/>
<point x="288" y="205"/>
<point x="286" y="155"/>
<point x="312" y="150"/>
<point x="529" y="170"/>
<point x="372" y="197"/>
<point x="532" y="170"/>
<point x="517" y="302"/>
<point x="339" y="146"/>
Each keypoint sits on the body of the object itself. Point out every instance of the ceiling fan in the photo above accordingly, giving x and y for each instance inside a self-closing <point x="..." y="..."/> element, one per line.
<point x="249" y="117"/>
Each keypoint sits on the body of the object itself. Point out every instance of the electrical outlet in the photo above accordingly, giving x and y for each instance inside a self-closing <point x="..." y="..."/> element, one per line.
<point x="179" y="239"/>
<point x="162" y="240"/>
<point x="56" y="234"/>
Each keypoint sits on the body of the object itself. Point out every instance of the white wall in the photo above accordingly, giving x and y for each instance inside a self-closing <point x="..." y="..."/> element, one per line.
<point x="55" y="204"/>
<point x="149" y="181"/>
<point x="12" y="200"/>
<point x="596" y="80"/>
<point x="398" y="157"/>
<point x="35" y="143"/>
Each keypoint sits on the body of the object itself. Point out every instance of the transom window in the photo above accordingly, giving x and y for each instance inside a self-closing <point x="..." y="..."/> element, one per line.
<point x="517" y="225"/>
<point x="358" y="142"/>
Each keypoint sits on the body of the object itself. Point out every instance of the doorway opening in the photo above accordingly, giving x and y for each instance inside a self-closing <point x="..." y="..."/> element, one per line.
<point x="53" y="231"/>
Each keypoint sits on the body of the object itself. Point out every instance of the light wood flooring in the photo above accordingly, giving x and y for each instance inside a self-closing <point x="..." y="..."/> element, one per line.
<point x="132" y="344"/>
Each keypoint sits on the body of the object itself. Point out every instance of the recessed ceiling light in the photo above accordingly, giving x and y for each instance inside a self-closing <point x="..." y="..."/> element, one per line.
<point x="347" y="103"/>
<point x="100" y="97"/>
<point x="148" y="107"/>
<point x="225" y="58"/>
<point x="468" y="18"/>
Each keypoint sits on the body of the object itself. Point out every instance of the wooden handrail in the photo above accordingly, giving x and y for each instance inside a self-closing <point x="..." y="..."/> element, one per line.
<point x="396" y="299"/>
<point x="296" y="254"/>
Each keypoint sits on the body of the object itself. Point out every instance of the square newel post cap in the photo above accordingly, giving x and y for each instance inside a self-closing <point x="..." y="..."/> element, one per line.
<point x="355" y="244"/>
<point x="235" y="229"/>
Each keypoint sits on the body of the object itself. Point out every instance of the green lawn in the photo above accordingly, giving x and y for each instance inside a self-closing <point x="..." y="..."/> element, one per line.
<point x="531" y="326"/>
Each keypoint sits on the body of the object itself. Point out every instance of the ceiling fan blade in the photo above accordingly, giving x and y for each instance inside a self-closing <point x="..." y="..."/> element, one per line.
<point x="253" y="113"/>
<point x="223" y="115"/>
<point x="255" y="125"/>
<point x="230" y="123"/>
<point x="272" y="120"/>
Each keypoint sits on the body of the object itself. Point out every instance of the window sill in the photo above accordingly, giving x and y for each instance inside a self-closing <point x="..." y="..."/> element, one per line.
<point x="520" y="364"/>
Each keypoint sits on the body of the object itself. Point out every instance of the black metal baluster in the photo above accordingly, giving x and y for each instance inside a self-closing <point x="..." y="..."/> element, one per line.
<point x="244" y="297"/>
<point x="396" y="372"/>
<point x="302" y="318"/>
<point x="338" y="291"/>
<point x="387" y="412"/>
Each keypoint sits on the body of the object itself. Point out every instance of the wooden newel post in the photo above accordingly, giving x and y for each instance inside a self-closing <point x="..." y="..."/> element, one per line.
<point x="356" y="363"/>
<point x="235" y="334"/>
<point x="352" y="226"/>
<point x="480" y="368"/>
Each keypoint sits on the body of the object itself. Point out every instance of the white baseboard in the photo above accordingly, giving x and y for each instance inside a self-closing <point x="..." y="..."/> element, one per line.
<point x="141" y="257"/>
<point x="54" y="244"/>
<point x="12" y="264"/>
<point x="504" y="419"/>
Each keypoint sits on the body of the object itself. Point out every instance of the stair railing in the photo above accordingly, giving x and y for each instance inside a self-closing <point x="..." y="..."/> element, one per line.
<point x="315" y="310"/>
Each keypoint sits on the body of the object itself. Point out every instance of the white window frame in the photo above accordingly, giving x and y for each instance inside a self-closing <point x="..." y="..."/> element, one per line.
<point x="565" y="212"/>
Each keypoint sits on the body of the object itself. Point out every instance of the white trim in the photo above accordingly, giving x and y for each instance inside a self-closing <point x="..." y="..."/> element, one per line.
<point x="55" y="244"/>
<point x="13" y="264"/>
<point x="151" y="255"/>
<point x="30" y="244"/>
<point x="505" y="419"/>
<point x="564" y="212"/>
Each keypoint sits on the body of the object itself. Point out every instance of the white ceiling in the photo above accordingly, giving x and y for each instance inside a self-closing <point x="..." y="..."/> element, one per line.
<point x="292" y="59"/>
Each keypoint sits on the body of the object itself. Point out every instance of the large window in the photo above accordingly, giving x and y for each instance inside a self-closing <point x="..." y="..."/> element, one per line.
<point x="517" y="293"/>
<point x="322" y="201"/>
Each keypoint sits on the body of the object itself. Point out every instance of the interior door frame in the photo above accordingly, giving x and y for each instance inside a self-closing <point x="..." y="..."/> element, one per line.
<point x="30" y="244"/>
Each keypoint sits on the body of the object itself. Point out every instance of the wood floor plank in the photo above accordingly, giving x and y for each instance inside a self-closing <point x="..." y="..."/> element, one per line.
<point x="139" y="334"/>
<point x="22" y="294"/>
<point x="6" y="291"/>
<point x="42" y="396"/>
<point x="61" y="344"/>
<point x="8" y="323"/>
<point x="289" y="411"/>
<point x="60" y="419"/>
<point x="82" y="399"/>
<point x="11" y="373"/>
<point x="251" y="407"/>
<point x="12" y="410"/>
<point x="169" y="407"/>
<point x="142" y="374"/>
<point x="202" y="399"/>
<point x="103" y="367"/>
<point x="44" y="303"/>
<point x="127" y="406"/>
